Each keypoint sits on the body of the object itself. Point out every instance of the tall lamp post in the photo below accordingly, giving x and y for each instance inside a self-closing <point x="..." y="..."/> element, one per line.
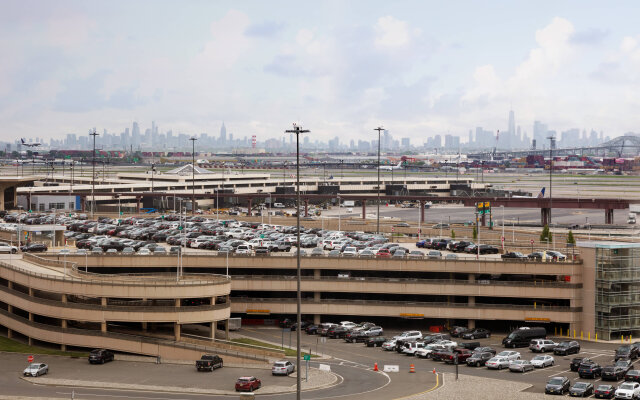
<point x="298" y="130"/>
<point x="379" y="129"/>
<point x="551" y="139"/>
<point x="93" y="171"/>
<point x="193" y="175"/>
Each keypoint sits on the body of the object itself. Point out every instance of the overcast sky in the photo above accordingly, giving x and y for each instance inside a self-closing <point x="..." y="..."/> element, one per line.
<point x="339" y="67"/>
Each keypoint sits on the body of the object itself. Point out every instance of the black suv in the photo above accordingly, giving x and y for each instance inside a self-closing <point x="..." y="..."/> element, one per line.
<point x="557" y="385"/>
<point x="626" y="352"/>
<point x="479" y="359"/>
<point x="616" y="371"/>
<point x="100" y="356"/>
<point x="567" y="347"/>
<point x="589" y="369"/>
<point x="375" y="341"/>
<point x="575" y="363"/>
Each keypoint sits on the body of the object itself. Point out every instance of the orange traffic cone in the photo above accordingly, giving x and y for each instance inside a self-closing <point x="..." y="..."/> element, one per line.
<point x="375" y="366"/>
<point x="434" y="370"/>
<point x="412" y="368"/>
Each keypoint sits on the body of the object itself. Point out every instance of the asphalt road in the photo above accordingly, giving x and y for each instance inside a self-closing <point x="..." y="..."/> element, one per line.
<point x="602" y="353"/>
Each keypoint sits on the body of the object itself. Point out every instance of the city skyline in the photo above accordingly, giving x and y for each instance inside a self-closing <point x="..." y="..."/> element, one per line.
<point x="339" y="69"/>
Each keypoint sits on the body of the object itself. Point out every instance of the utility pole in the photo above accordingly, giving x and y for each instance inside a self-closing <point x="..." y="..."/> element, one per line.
<point x="193" y="175"/>
<point x="551" y="139"/>
<point x="379" y="129"/>
<point x="93" y="172"/>
<point x="298" y="130"/>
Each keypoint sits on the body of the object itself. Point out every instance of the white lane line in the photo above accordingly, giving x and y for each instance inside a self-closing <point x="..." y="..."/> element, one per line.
<point x="561" y="372"/>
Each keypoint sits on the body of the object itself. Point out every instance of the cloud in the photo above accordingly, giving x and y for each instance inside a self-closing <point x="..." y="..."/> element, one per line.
<point x="391" y="32"/>
<point x="589" y="36"/>
<point x="265" y="29"/>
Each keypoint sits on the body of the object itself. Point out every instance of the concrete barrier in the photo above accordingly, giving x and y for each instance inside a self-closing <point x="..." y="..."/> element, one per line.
<point x="391" y="368"/>
<point x="325" y="367"/>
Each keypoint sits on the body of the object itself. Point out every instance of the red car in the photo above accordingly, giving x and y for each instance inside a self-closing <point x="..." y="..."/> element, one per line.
<point x="247" y="384"/>
<point x="383" y="253"/>
<point x="463" y="354"/>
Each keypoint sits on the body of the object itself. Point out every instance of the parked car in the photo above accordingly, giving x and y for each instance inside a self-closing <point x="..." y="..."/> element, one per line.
<point x="543" y="361"/>
<point x="626" y="352"/>
<point x="34" y="248"/>
<point x="476" y="333"/>
<point x="616" y="371"/>
<point x="6" y="248"/>
<point x="521" y="337"/>
<point x="576" y="361"/>
<point x="497" y="363"/>
<point x="434" y="254"/>
<point x="479" y="359"/>
<point x="375" y="341"/>
<point x="589" y="369"/>
<point x="605" y="392"/>
<point x="488" y="249"/>
<point x="209" y="362"/>
<point x="456" y="331"/>
<point x="542" y="345"/>
<point x="36" y="369"/>
<point x="581" y="389"/>
<point x="100" y="356"/>
<point x="628" y="390"/>
<point x="632" y="375"/>
<point x="557" y="385"/>
<point x="521" y="366"/>
<point x="509" y="355"/>
<point x="282" y="368"/>
<point x="247" y="384"/>
<point x="567" y="347"/>
<point x="513" y="255"/>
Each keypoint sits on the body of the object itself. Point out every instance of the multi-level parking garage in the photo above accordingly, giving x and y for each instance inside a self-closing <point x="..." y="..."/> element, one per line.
<point x="46" y="300"/>
<point x="485" y="292"/>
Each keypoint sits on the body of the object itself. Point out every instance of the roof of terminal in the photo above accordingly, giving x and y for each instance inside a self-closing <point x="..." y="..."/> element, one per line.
<point x="608" y="245"/>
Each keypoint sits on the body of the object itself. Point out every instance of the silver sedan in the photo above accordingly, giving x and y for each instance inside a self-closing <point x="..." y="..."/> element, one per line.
<point x="521" y="366"/>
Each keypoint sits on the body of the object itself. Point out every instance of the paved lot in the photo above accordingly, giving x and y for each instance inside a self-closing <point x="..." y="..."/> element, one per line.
<point x="533" y="381"/>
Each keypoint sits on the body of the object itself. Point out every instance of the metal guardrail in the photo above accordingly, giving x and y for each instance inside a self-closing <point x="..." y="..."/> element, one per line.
<point x="113" y="307"/>
<point x="67" y="278"/>
<point x="410" y="303"/>
<point x="137" y="338"/>
<point x="414" y="281"/>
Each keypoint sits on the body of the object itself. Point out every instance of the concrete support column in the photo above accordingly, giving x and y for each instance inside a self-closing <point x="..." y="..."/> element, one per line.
<point x="249" y="203"/>
<point x="63" y="324"/>
<point x="316" y="319"/>
<point x="177" y="303"/>
<point x="103" y="301"/>
<point x="608" y="216"/>
<point x="364" y="209"/>
<point x="176" y="331"/>
<point x="226" y="329"/>
<point x="10" y="308"/>
<point x="317" y="274"/>
<point x="63" y="347"/>
<point x="471" y="323"/>
<point x="421" y="205"/>
<point x="145" y="326"/>
<point x="31" y="292"/>
<point x="213" y="330"/>
<point x="138" y="198"/>
<point x="83" y="203"/>
<point x="306" y="208"/>
<point x="103" y="326"/>
<point x="9" y="333"/>
<point x="10" y="285"/>
<point x="30" y="341"/>
<point x="213" y="300"/>
<point x="31" y="317"/>
<point x="64" y="297"/>
<point x="544" y="216"/>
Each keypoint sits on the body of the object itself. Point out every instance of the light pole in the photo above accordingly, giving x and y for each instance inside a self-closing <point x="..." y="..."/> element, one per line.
<point x="269" y="208"/>
<point x="339" y="212"/>
<point x="551" y="139"/>
<point x="502" y="239"/>
<point x="93" y="169"/>
<point x="379" y="129"/>
<point x="193" y="175"/>
<point x="298" y="130"/>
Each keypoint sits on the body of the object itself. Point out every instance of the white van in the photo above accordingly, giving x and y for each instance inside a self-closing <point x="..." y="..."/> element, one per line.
<point x="278" y="205"/>
<point x="243" y="249"/>
<point x="199" y="240"/>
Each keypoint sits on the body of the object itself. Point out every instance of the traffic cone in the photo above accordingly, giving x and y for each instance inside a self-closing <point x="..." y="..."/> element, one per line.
<point x="434" y="370"/>
<point x="412" y="368"/>
<point x="375" y="366"/>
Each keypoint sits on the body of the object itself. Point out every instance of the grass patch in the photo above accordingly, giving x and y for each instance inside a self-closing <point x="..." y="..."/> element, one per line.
<point x="287" y="352"/>
<point x="12" y="346"/>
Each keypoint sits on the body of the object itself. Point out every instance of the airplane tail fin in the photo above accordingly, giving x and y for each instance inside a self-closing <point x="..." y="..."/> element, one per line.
<point x="22" y="140"/>
<point x="541" y="194"/>
<point x="399" y="164"/>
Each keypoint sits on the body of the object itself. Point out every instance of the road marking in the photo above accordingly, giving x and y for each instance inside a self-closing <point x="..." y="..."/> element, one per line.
<point x="561" y="372"/>
<point x="426" y="391"/>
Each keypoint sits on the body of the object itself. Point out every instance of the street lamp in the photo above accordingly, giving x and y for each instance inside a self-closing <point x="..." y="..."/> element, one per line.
<point x="339" y="211"/>
<point x="193" y="175"/>
<point x="93" y="169"/>
<point x="551" y="139"/>
<point x="379" y="129"/>
<point x="298" y="130"/>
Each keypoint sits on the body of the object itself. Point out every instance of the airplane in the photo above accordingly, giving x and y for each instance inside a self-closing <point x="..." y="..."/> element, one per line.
<point x="391" y="167"/>
<point x="36" y="144"/>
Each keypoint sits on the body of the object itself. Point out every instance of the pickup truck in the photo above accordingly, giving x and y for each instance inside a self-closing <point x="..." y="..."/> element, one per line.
<point x="209" y="362"/>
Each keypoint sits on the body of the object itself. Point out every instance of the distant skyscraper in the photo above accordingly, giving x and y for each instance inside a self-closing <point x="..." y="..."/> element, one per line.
<point x="135" y="134"/>
<point x="223" y="134"/>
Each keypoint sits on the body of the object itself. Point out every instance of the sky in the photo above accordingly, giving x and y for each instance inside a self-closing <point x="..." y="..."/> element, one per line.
<point x="339" y="68"/>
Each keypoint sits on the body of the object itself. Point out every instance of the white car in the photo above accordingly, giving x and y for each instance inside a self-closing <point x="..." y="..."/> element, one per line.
<point x="374" y="331"/>
<point x="282" y="368"/>
<point x="348" y="324"/>
<point x="5" y="248"/>
<point x="427" y="350"/>
<point x="497" y="363"/>
<point x="628" y="390"/>
<point x="411" y="347"/>
<point x="36" y="369"/>
<point x="144" y="252"/>
<point x="509" y="355"/>
<point x="406" y="335"/>
<point x="543" y="361"/>
<point x="350" y="252"/>
<point x="389" y="345"/>
<point x="542" y="345"/>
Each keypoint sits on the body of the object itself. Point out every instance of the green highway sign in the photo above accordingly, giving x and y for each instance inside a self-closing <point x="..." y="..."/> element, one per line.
<point x="307" y="357"/>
